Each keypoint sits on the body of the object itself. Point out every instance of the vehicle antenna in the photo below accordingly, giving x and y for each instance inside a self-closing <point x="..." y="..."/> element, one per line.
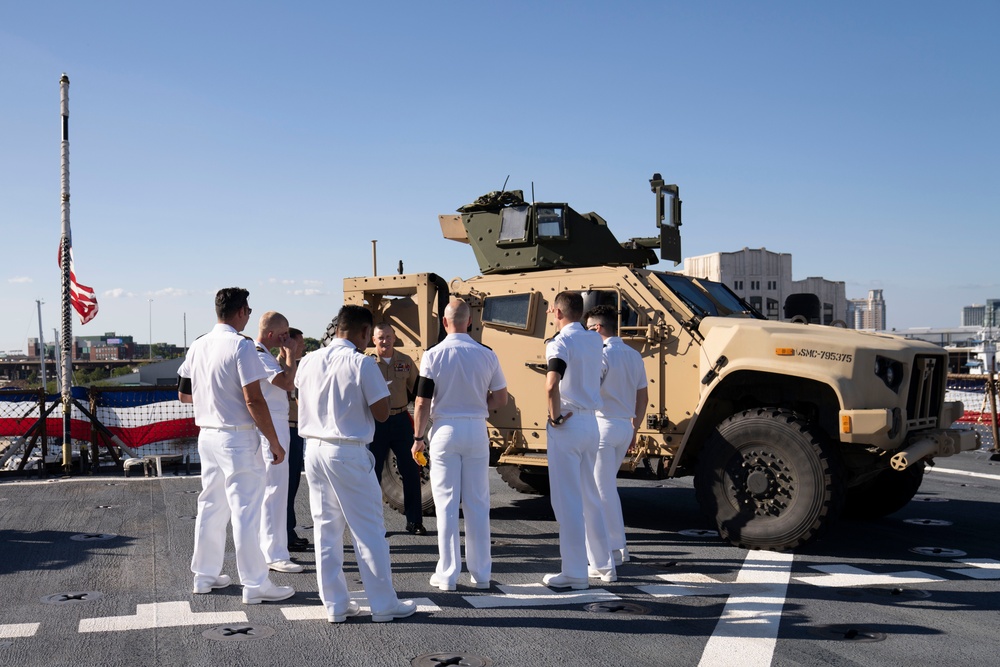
<point x="504" y="188"/>
<point x="532" y="193"/>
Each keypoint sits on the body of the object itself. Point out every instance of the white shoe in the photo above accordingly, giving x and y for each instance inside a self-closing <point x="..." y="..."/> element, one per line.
<point x="606" y="577"/>
<point x="402" y="610"/>
<point x="440" y="583"/>
<point x="285" y="566"/>
<point x="267" y="593"/>
<point x="562" y="581"/>
<point x="204" y="585"/>
<point x="352" y="610"/>
<point x="481" y="585"/>
<point x="624" y="554"/>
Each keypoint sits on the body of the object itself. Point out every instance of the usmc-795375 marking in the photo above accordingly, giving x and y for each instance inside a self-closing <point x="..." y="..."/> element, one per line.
<point x="827" y="355"/>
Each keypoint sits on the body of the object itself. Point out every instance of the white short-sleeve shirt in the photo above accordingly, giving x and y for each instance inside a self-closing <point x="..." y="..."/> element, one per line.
<point x="580" y="349"/>
<point x="463" y="372"/>
<point x="276" y="397"/>
<point x="337" y="384"/>
<point x="219" y="364"/>
<point x="624" y="375"/>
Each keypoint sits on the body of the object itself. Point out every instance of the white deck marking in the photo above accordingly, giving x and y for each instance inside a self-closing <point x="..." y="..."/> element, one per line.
<point x="14" y="630"/>
<point x="845" y="576"/>
<point x="747" y="631"/>
<point x="537" y="595"/>
<point x="160" y="615"/>
<point x="980" y="568"/>
<point x="952" y="471"/>
<point x="318" y="612"/>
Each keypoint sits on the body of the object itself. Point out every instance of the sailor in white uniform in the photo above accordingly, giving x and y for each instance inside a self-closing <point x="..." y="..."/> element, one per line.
<point x="573" y="392"/>
<point x="341" y="394"/>
<point x="221" y="376"/>
<point x="460" y="382"/>
<point x="624" y="395"/>
<point x="273" y="332"/>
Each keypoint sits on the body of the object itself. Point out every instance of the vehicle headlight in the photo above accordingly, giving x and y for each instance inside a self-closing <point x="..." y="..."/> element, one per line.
<point x="889" y="371"/>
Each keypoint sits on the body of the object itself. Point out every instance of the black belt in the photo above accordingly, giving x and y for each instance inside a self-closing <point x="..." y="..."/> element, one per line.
<point x="398" y="411"/>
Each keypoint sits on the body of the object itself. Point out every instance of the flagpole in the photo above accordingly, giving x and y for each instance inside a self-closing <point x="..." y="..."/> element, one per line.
<point x="66" y="244"/>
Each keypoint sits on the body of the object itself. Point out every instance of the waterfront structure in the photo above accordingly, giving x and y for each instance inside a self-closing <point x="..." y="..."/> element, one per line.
<point x="764" y="279"/>
<point x="108" y="347"/>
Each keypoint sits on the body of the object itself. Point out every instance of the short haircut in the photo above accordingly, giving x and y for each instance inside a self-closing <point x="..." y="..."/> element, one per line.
<point x="383" y="326"/>
<point x="571" y="303"/>
<point x="271" y="320"/>
<point x="353" y="319"/>
<point x="606" y="315"/>
<point x="294" y="333"/>
<point x="458" y="310"/>
<point x="229" y="301"/>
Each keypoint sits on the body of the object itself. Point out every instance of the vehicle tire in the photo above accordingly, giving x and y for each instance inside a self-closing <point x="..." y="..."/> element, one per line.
<point x="769" y="480"/>
<point x="525" y="479"/>
<point x="392" y="487"/>
<point x="330" y="333"/>
<point x="887" y="492"/>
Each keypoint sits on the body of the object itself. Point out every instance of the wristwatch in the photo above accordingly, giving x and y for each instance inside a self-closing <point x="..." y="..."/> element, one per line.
<point x="557" y="421"/>
<point x="420" y="439"/>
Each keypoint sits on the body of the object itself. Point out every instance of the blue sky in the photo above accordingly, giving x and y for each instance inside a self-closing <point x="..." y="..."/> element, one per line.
<point x="266" y="144"/>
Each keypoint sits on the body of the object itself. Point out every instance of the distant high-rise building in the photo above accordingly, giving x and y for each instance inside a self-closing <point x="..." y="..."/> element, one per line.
<point x="991" y="316"/>
<point x="973" y="316"/>
<point x="982" y="316"/>
<point x="867" y="313"/>
<point x="764" y="280"/>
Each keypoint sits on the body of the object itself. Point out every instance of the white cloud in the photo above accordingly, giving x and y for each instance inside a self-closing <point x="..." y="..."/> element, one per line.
<point x="315" y="283"/>
<point x="307" y="292"/>
<point x="20" y="279"/>
<point x="116" y="293"/>
<point x="170" y="292"/>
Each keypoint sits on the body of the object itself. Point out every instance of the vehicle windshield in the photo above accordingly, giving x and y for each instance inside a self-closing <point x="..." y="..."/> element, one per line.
<point x="706" y="298"/>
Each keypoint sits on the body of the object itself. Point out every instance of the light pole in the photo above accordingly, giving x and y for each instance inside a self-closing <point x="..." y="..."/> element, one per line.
<point x="150" y="329"/>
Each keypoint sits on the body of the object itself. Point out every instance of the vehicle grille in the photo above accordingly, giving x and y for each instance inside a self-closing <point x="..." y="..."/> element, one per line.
<point x="923" y="402"/>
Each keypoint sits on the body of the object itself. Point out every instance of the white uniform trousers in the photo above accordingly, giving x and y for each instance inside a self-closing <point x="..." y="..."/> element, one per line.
<point x="460" y="464"/>
<point x="232" y="484"/>
<point x="343" y="492"/>
<point x="572" y="454"/>
<point x="616" y="434"/>
<point x="274" y="511"/>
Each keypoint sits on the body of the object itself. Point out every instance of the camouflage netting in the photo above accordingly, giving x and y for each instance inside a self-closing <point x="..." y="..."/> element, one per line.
<point x="494" y="201"/>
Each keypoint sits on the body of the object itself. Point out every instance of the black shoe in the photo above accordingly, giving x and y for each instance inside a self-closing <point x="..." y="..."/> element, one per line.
<point x="300" y="546"/>
<point x="298" y="541"/>
<point x="416" y="529"/>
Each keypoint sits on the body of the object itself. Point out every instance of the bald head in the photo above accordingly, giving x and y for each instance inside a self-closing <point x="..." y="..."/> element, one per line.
<point x="457" y="316"/>
<point x="273" y="329"/>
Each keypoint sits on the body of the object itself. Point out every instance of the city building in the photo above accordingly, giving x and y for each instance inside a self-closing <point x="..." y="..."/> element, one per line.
<point x="867" y="313"/>
<point x="986" y="316"/>
<point x="109" y="347"/>
<point x="973" y="316"/>
<point x="764" y="280"/>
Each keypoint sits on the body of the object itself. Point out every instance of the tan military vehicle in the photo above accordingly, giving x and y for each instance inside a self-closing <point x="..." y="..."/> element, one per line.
<point x="783" y="425"/>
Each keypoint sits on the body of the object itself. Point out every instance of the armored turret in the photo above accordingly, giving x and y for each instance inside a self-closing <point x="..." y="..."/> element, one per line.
<point x="510" y="235"/>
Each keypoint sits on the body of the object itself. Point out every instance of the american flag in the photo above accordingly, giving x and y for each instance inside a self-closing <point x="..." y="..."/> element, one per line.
<point x="82" y="297"/>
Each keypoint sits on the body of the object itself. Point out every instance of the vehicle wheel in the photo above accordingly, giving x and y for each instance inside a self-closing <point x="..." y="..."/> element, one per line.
<point x="768" y="480"/>
<point x="887" y="492"/>
<point x="330" y="333"/>
<point x="392" y="487"/>
<point x="524" y="479"/>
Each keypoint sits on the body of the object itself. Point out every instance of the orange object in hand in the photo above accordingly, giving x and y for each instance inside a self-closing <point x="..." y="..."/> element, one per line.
<point x="421" y="459"/>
